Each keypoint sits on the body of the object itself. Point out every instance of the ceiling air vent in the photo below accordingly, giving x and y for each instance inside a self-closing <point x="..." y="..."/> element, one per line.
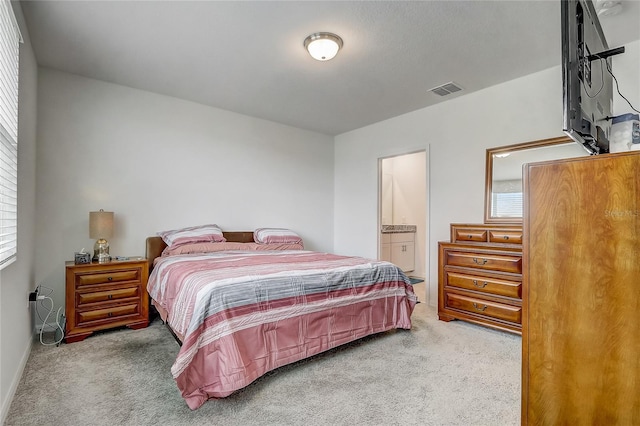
<point x="446" y="89"/>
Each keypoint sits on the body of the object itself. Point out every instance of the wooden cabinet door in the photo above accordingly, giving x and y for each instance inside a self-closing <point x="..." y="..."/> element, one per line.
<point x="403" y="255"/>
<point x="581" y="299"/>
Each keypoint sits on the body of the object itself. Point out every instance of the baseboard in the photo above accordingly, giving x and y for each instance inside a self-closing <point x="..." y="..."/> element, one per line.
<point x="6" y="404"/>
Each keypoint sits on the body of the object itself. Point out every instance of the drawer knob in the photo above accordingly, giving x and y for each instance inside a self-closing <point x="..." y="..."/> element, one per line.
<point x="506" y="237"/>
<point x="481" y="285"/>
<point x="481" y="309"/>
<point x="479" y="262"/>
<point x="111" y="314"/>
<point x="110" y="279"/>
<point x="469" y="236"/>
<point x="110" y="296"/>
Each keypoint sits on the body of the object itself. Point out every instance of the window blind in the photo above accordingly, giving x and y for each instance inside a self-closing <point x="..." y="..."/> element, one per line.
<point x="507" y="204"/>
<point x="9" y="70"/>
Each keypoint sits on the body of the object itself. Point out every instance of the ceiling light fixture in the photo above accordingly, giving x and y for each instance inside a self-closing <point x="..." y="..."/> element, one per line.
<point x="323" y="46"/>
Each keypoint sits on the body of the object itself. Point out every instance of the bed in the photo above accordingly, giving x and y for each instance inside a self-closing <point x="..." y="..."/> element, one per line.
<point x="242" y="312"/>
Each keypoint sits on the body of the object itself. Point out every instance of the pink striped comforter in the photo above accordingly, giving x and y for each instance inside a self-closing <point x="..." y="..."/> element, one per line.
<point x="243" y="313"/>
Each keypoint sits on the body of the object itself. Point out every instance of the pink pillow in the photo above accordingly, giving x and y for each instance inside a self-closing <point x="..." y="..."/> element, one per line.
<point x="276" y="236"/>
<point x="194" y="234"/>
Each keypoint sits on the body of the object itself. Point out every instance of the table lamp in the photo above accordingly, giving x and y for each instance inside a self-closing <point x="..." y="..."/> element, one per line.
<point x="101" y="228"/>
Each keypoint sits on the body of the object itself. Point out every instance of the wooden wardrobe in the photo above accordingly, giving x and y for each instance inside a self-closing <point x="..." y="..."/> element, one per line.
<point x="581" y="291"/>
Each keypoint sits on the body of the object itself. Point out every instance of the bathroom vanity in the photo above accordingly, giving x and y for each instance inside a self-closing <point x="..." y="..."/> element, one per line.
<point x="398" y="245"/>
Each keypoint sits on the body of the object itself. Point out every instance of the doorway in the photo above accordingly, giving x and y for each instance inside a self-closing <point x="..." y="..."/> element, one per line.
<point x="402" y="201"/>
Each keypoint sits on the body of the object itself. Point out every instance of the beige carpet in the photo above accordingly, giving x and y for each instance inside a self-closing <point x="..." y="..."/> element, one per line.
<point x="436" y="374"/>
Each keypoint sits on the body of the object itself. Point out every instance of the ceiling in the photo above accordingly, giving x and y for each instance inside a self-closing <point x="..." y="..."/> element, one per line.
<point x="248" y="57"/>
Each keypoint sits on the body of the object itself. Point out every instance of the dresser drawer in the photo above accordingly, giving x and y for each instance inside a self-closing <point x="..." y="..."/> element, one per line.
<point x="478" y="306"/>
<point x="108" y="277"/>
<point x="484" y="284"/>
<point x="486" y="234"/>
<point x="112" y="313"/>
<point x="472" y="235"/>
<point x="481" y="282"/>
<point x="107" y="295"/>
<point x="505" y="236"/>
<point x="489" y="261"/>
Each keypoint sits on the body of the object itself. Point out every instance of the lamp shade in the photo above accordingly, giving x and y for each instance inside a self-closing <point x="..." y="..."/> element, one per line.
<point x="323" y="46"/>
<point x="100" y="224"/>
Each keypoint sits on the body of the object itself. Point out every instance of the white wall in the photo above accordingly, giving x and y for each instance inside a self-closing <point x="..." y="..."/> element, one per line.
<point x="458" y="133"/>
<point x="626" y="68"/>
<point x="16" y="280"/>
<point x="160" y="163"/>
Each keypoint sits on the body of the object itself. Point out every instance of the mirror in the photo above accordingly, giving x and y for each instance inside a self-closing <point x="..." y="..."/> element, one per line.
<point x="503" y="189"/>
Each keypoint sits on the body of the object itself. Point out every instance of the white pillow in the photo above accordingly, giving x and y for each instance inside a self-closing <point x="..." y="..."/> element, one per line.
<point x="276" y="236"/>
<point x="194" y="234"/>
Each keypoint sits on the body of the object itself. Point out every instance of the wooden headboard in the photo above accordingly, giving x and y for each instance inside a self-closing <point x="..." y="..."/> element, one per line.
<point x="155" y="245"/>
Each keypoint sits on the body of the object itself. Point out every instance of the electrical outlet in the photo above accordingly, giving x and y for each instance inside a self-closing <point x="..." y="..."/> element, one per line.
<point x="33" y="296"/>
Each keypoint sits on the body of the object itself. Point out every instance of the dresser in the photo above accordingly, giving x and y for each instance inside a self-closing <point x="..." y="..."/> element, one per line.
<point x="580" y="334"/>
<point x="480" y="276"/>
<point x="101" y="296"/>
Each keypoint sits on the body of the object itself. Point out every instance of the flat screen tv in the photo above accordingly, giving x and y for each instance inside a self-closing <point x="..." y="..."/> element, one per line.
<point x="586" y="76"/>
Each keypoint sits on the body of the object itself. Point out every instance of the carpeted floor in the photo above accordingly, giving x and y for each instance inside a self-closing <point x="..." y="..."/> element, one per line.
<point x="435" y="374"/>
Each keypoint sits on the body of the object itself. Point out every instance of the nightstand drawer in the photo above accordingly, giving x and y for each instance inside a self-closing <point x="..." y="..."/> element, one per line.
<point x="112" y="313"/>
<point x="108" y="277"/>
<point x="106" y="296"/>
<point x="484" y="284"/>
<point x="484" y="307"/>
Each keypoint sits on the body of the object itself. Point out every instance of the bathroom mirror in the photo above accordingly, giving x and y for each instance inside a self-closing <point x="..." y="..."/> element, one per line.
<point x="503" y="189"/>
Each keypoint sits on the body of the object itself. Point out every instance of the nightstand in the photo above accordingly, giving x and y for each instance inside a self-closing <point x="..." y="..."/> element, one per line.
<point x="101" y="296"/>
